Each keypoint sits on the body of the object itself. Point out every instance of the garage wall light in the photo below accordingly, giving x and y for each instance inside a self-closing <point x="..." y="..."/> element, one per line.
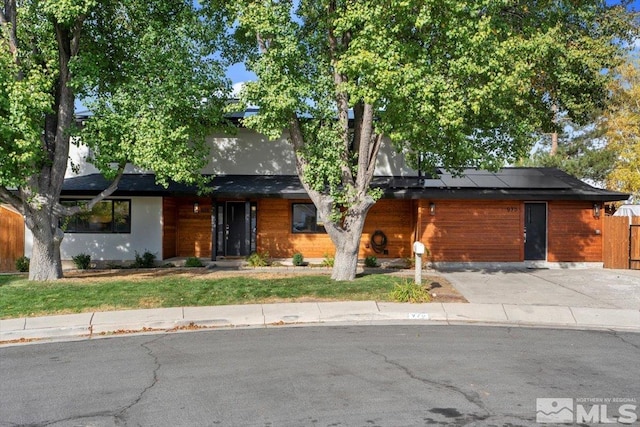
<point x="196" y="207"/>
<point x="432" y="208"/>
<point x="596" y="210"/>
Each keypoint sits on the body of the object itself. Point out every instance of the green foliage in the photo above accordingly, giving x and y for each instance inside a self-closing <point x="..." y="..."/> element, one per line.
<point x="581" y="153"/>
<point x="452" y="84"/>
<point x="297" y="259"/>
<point x="82" y="261"/>
<point x="328" y="260"/>
<point x="409" y="291"/>
<point x="258" y="259"/>
<point x="193" y="262"/>
<point x="145" y="70"/>
<point x="371" y="261"/>
<point x="410" y="262"/>
<point x="146" y="260"/>
<point x="464" y="85"/>
<point x="22" y="264"/>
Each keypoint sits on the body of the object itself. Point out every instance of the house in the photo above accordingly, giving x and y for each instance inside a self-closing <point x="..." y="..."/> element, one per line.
<point x="515" y="215"/>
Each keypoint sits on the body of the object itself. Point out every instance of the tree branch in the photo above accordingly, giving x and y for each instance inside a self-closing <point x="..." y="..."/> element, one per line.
<point x="61" y="210"/>
<point x="368" y="150"/>
<point x="8" y="24"/>
<point x="7" y="196"/>
<point x="342" y="98"/>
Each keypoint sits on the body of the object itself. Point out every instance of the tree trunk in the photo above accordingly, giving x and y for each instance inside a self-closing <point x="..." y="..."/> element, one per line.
<point x="346" y="239"/>
<point x="45" y="263"/>
<point x="346" y="258"/>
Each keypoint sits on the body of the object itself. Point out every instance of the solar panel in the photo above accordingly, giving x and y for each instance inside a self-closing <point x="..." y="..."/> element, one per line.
<point x="458" y="182"/>
<point x="488" y="180"/>
<point x="534" y="181"/>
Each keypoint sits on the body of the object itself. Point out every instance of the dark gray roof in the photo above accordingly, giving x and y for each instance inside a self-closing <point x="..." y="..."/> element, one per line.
<point x="506" y="184"/>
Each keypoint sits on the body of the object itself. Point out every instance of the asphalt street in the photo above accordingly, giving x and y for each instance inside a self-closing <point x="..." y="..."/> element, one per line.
<point x="315" y="376"/>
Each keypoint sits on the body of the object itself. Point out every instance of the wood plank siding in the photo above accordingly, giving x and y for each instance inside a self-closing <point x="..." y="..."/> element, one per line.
<point x="169" y="227"/>
<point x="393" y="217"/>
<point x="11" y="239"/>
<point x="573" y="232"/>
<point x="458" y="231"/>
<point x="472" y="231"/>
<point x="186" y="233"/>
<point x="493" y="231"/>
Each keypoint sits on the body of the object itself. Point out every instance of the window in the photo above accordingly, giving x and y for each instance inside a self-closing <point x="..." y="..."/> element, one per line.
<point x="108" y="216"/>
<point x="305" y="219"/>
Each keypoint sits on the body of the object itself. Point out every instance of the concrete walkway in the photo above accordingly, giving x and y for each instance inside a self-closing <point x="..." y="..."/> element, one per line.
<point x="583" y="299"/>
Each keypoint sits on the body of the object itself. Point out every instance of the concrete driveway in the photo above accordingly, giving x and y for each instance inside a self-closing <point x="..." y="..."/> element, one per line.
<point x="594" y="288"/>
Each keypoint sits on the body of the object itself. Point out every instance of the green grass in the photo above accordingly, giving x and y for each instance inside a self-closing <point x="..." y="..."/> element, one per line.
<point x="19" y="297"/>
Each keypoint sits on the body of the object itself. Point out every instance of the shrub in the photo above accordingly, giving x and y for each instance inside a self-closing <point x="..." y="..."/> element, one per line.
<point x="22" y="264"/>
<point x="409" y="291"/>
<point x="82" y="261"/>
<point x="193" y="262"/>
<point x="371" y="261"/>
<point x="258" y="259"/>
<point x="297" y="259"/>
<point x="410" y="262"/>
<point x="328" y="261"/>
<point x="146" y="260"/>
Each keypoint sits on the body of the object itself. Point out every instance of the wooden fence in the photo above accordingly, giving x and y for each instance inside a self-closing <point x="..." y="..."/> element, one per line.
<point x="621" y="242"/>
<point x="11" y="239"/>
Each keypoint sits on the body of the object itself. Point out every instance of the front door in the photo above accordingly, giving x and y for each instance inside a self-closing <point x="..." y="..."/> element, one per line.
<point x="235" y="228"/>
<point x="237" y="220"/>
<point x="535" y="231"/>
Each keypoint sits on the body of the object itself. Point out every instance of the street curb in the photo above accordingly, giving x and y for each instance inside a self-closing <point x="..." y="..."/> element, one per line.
<point x="113" y="323"/>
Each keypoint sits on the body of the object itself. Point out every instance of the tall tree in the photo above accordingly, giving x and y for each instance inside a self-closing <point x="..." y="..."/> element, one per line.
<point x="452" y="83"/>
<point x="580" y="151"/>
<point x="141" y="66"/>
<point x="622" y="125"/>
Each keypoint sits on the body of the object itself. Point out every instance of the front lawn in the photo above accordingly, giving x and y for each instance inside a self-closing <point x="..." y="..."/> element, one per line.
<point x="101" y="290"/>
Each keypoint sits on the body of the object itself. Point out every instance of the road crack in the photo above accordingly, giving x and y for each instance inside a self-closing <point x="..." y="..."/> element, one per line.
<point x="617" y="335"/>
<point x="121" y="417"/>
<point x="471" y="397"/>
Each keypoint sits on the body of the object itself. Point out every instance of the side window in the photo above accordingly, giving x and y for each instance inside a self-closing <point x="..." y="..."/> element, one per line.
<point x="305" y="219"/>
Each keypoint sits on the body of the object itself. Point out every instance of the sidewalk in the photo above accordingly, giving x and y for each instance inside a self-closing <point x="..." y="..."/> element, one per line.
<point x="89" y="325"/>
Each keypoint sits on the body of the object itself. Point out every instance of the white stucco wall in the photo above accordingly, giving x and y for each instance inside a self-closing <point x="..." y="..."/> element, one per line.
<point x="146" y="235"/>
<point x="249" y="153"/>
<point x="78" y="165"/>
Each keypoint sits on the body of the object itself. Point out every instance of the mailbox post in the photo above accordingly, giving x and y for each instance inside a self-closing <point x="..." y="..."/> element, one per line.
<point x="418" y="249"/>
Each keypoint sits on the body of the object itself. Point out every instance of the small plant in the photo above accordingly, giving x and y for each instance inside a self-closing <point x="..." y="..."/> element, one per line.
<point x="22" y="264"/>
<point x="258" y="259"/>
<point x="193" y="262"/>
<point x="410" y="262"/>
<point x="371" y="261"/>
<point x="328" y="261"/>
<point x="82" y="261"/>
<point x="297" y="259"/>
<point x="409" y="291"/>
<point x="146" y="260"/>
